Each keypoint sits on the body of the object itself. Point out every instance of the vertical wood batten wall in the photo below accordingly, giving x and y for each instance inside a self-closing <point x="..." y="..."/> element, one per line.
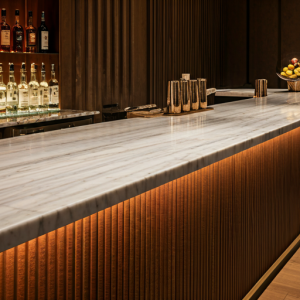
<point x="208" y="235"/>
<point x="185" y="37"/>
<point x="114" y="51"/>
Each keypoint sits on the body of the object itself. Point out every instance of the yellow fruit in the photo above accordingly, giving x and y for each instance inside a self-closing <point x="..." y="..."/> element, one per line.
<point x="284" y="74"/>
<point x="285" y="69"/>
<point x="298" y="69"/>
<point x="291" y="67"/>
<point x="293" y="76"/>
<point x="289" y="72"/>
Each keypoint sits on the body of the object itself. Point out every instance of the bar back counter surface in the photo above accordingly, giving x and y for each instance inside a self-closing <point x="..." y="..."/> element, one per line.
<point x="192" y="207"/>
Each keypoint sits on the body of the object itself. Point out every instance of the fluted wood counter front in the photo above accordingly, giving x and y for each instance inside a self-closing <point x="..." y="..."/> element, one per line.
<point x="195" y="207"/>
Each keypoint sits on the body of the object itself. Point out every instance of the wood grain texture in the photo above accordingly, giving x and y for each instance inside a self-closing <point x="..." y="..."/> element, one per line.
<point x="286" y="285"/>
<point x="125" y="52"/>
<point x="211" y="234"/>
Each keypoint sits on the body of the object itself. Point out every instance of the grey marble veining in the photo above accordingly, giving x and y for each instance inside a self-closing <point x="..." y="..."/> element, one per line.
<point x="9" y="121"/>
<point x="51" y="179"/>
<point x="247" y="93"/>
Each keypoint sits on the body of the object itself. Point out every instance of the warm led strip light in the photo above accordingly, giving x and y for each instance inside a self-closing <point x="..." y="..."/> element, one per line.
<point x="208" y="235"/>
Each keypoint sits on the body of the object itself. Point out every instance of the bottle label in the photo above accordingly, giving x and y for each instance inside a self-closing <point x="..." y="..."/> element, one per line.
<point x="2" y="97"/>
<point x="54" y="94"/>
<point x="34" y="97"/>
<point x="45" y="40"/>
<point x="23" y="98"/>
<point x="12" y="97"/>
<point x="5" y="37"/>
<point x="31" y="39"/>
<point x="2" y="101"/>
<point x="44" y="95"/>
<point x="19" y="36"/>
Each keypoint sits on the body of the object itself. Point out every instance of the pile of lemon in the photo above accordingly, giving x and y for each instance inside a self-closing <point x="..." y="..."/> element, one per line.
<point x="292" y="70"/>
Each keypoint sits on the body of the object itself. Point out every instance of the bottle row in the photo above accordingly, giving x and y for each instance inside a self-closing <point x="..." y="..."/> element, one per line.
<point x="35" y="40"/>
<point x="28" y="97"/>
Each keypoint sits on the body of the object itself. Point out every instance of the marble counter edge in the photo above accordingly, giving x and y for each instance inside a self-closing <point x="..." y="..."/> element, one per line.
<point x="31" y="120"/>
<point x="25" y="231"/>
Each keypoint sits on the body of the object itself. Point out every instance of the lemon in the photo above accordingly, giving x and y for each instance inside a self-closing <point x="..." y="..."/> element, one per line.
<point x="289" y="72"/>
<point x="291" y="67"/>
<point x="293" y="76"/>
<point x="285" y="69"/>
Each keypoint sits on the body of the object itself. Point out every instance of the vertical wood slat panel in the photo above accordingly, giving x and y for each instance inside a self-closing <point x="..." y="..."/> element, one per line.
<point x="208" y="235"/>
<point x="126" y="51"/>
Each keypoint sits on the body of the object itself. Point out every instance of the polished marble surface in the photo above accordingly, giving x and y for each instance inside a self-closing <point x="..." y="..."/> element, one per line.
<point x="51" y="179"/>
<point x="244" y="92"/>
<point x="9" y="121"/>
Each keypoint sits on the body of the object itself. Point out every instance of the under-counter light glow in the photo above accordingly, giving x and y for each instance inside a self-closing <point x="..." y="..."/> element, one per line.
<point x="208" y="235"/>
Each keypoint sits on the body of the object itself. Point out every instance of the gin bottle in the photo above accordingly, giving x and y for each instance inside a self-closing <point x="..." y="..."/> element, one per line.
<point x="23" y="91"/>
<point x="2" y="92"/>
<point x="12" y="92"/>
<point x="44" y="90"/>
<point x="33" y="90"/>
<point x="54" y="91"/>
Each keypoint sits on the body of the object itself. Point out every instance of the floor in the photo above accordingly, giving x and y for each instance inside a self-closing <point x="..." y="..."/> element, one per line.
<point x="286" y="286"/>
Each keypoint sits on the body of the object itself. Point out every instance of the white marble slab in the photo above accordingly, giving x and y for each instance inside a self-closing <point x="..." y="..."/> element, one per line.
<point x="247" y="93"/>
<point x="9" y="121"/>
<point x="49" y="180"/>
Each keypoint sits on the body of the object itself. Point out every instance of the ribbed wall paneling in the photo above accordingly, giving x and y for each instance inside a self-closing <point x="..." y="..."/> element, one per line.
<point x="208" y="235"/>
<point x="185" y="37"/>
<point x="125" y="52"/>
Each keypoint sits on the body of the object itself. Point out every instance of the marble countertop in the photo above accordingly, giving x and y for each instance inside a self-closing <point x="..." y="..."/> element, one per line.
<point x="9" y="121"/>
<point x="244" y="92"/>
<point x="51" y="179"/>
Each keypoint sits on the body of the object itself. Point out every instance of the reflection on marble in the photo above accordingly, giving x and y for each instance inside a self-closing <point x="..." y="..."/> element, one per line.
<point x="244" y="92"/>
<point x="9" y="121"/>
<point x="51" y="179"/>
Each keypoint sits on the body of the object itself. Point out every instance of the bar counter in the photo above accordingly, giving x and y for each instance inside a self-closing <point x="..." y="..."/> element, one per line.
<point x="199" y="205"/>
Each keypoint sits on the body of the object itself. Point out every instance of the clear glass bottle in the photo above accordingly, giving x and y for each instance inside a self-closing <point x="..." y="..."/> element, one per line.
<point x="2" y="93"/>
<point x="18" y="34"/>
<point x="30" y="35"/>
<point x="44" y="91"/>
<point x="33" y="90"/>
<point x="5" y="33"/>
<point x="23" y="91"/>
<point x="54" y="91"/>
<point x="43" y="36"/>
<point x="12" y="92"/>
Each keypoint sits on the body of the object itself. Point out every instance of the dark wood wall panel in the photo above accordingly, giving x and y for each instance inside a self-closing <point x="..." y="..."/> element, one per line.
<point x="185" y="37"/>
<point x="126" y="51"/>
<point x="109" y="53"/>
<point x="233" y="63"/>
<point x="209" y="235"/>
<point x="260" y="40"/>
<point x="264" y="41"/>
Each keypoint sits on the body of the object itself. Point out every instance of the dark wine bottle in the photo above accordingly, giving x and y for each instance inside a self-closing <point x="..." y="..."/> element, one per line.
<point x="43" y="36"/>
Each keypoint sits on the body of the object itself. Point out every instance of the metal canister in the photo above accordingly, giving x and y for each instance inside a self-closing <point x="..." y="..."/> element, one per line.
<point x="185" y="95"/>
<point x="174" y="97"/>
<point x="194" y="95"/>
<point x="202" y="92"/>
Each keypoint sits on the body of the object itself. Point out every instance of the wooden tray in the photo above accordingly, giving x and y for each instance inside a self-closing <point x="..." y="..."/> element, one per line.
<point x="189" y="112"/>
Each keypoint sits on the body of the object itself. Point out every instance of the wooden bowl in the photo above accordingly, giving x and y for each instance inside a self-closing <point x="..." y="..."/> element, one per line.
<point x="293" y="84"/>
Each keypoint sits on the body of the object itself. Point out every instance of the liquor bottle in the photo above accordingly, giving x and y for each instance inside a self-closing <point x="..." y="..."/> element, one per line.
<point x="54" y="91"/>
<point x="2" y="93"/>
<point x="44" y="91"/>
<point x="23" y="91"/>
<point x="30" y="35"/>
<point x="5" y="33"/>
<point x="43" y="36"/>
<point x="33" y="90"/>
<point x="18" y="34"/>
<point x="12" y="92"/>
